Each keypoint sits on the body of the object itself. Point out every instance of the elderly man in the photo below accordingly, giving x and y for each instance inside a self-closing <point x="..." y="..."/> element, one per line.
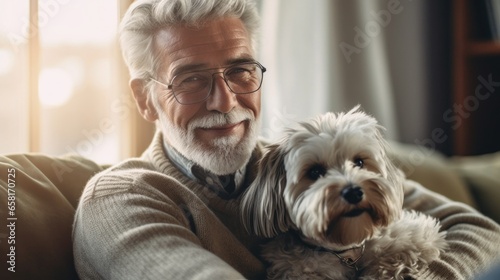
<point x="174" y="212"/>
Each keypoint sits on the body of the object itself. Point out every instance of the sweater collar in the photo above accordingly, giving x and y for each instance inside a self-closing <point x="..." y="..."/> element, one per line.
<point x="226" y="184"/>
<point x="227" y="187"/>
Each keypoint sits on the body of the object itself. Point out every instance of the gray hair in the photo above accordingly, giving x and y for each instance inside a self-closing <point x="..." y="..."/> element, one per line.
<point x="145" y="17"/>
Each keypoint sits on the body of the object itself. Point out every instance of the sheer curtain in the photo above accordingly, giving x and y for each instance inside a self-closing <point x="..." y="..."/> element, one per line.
<point x="327" y="55"/>
<point x="317" y="63"/>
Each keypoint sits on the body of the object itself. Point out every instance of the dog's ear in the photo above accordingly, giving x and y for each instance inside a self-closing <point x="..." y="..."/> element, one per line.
<point x="263" y="207"/>
<point x="395" y="175"/>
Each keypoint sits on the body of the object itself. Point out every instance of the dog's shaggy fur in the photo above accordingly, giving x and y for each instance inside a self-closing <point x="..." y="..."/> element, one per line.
<point x="333" y="202"/>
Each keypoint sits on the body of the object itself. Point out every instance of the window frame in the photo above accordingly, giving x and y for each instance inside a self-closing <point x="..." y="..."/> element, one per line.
<point x="135" y="132"/>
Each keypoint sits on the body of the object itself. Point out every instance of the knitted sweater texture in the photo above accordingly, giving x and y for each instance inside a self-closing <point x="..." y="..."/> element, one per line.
<point x="143" y="219"/>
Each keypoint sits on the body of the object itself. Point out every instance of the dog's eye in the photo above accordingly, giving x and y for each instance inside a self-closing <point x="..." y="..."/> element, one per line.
<point x="358" y="162"/>
<point x="315" y="172"/>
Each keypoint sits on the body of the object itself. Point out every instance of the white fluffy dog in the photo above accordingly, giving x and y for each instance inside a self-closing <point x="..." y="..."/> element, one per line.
<point x="333" y="201"/>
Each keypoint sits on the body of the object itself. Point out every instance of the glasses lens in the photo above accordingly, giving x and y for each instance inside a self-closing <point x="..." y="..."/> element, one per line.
<point x="191" y="87"/>
<point x="194" y="87"/>
<point x="244" y="78"/>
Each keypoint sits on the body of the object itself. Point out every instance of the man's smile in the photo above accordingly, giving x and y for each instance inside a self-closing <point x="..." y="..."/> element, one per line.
<point x="225" y="130"/>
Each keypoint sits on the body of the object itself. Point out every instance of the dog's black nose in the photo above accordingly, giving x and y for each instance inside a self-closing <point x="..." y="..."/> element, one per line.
<point x="352" y="194"/>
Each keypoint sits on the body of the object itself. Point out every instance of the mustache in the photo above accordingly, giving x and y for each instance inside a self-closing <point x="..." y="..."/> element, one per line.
<point x="219" y="119"/>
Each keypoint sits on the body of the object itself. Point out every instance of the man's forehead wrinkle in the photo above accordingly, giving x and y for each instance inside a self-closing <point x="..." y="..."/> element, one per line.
<point x="182" y="56"/>
<point x="222" y="40"/>
<point x="201" y="48"/>
<point x="172" y="41"/>
<point x="184" y="63"/>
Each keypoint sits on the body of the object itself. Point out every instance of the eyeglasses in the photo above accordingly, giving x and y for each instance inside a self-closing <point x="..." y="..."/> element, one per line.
<point x="195" y="87"/>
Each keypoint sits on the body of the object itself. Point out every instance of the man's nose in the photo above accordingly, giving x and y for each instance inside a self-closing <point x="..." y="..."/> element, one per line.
<point x="221" y="98"/>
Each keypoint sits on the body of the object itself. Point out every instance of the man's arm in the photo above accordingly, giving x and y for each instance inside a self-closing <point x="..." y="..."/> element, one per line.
<point x="135" y="233"/>
<point x="473" y="239"/>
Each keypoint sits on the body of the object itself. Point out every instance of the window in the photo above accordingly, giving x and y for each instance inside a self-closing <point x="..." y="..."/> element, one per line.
<point x="63" y="85"/>
<point x="13" y="76"/>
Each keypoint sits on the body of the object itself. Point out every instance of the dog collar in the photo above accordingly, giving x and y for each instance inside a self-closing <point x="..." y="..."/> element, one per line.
<point x="350" y="256"/>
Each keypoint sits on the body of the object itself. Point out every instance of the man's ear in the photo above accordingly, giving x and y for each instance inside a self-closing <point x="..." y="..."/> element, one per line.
<point x="143" y="100"/>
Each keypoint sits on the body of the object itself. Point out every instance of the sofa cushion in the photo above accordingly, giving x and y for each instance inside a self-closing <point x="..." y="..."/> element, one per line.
<point x="43" y="193"/>
<point x="482" y="174"/>
<point x="431" y="169"/>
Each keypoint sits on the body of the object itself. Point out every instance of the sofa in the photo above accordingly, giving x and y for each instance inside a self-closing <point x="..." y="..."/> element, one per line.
<point x="39" y="194"/>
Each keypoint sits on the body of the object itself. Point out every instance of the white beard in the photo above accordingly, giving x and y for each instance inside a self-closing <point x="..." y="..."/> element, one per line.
<point x="225" y="155"/>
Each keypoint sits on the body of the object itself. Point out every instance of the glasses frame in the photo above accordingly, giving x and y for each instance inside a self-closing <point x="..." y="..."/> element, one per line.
<point x="223" y="72"/>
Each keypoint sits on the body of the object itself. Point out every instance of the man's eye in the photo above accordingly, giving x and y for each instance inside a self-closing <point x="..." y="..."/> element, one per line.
<point x="239" y="74"/>
<point x="358" y="162"/>
<point x="237" y="70"/>
<point x="191" y="79"/>
<point x="316" y="171"/>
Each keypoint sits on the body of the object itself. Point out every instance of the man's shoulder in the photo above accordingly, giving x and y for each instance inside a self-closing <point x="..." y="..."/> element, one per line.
<point x="123" y="171"/>
<point x="130" y="176"/>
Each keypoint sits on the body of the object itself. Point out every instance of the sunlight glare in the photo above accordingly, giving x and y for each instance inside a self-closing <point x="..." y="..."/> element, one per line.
<point x="6" y="61"/>
<point x="55" y="87"/>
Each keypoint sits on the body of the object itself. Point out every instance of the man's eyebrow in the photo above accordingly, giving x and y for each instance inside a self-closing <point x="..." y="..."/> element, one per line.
<point x="188" y="68"/>
<point x="240" y="60"/>
<point x="201" y="66"/>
